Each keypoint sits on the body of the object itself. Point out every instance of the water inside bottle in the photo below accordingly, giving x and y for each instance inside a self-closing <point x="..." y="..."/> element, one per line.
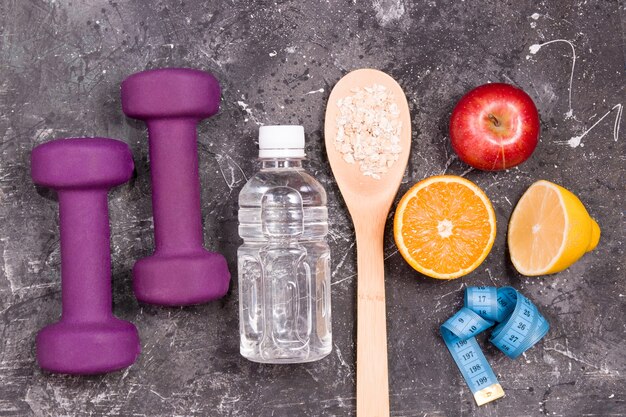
<point x="284" y="266"/>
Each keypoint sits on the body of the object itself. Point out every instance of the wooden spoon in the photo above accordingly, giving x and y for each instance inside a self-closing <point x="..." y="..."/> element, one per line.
<point x="369" y="201"/>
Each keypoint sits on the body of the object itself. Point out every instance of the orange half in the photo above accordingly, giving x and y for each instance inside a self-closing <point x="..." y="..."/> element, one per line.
<point x="444" y="226"/>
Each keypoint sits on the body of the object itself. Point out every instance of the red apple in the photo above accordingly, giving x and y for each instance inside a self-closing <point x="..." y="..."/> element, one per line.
<point x="494" y="126"/>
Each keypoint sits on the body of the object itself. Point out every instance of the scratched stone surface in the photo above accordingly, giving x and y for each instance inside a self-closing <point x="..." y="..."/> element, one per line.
<point x="61" y="65"/>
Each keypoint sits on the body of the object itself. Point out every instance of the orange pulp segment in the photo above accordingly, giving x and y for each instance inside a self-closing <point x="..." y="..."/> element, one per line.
<point x="444" y="226"/>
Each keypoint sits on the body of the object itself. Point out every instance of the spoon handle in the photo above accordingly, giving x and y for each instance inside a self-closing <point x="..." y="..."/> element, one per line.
<point x="372" y="386"/>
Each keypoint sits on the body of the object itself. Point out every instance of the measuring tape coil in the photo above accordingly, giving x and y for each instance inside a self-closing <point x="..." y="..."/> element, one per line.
<point x="520" y="326"/>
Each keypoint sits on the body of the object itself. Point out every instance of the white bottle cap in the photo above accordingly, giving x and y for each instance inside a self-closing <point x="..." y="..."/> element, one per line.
<point x="282" y="141"/>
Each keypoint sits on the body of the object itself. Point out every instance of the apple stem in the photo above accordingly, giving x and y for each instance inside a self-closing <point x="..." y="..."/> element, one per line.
<point x="494" y="120"/>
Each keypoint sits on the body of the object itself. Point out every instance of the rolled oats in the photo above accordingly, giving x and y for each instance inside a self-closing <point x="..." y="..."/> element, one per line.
<point x="368" y="129"/>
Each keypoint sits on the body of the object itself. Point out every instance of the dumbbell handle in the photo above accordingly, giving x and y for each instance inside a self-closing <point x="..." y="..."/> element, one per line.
<point x="175" y="185"/>
<point x="85" y="255"/>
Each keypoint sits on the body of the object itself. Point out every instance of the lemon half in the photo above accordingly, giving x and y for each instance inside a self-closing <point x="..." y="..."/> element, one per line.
<point x="549" y="230"/>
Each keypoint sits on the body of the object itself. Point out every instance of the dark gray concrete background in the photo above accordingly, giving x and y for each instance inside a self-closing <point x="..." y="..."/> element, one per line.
<point x="61" y="63"/>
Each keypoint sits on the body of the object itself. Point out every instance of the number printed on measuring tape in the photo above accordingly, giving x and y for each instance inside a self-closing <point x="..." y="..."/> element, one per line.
<point x="520" y="326"/>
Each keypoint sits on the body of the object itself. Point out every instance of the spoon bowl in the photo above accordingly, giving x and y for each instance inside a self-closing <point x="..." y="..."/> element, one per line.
<point x="348" y="176"/>
<point x="368" y="201"/>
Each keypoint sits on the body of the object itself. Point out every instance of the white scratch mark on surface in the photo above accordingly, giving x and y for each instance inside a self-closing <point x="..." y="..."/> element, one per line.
<point x="343" y="279"/>
<point x="390" y="255"/>
<point x="388" y="10"/>
<point x="536" y="47"/>
<point x="308" y="371"/>
<point x="340" y="357"/>
<point x="37" y="286"/>
<point x="341" y="401"/>
<point x="509" y="79"/>
<point x="335" y="235"/>
<point x="230" y="171"/>
<point x="575" y="141"/>
<point x="448" y="163"/>
<point x="451" y="292"/>
<point x="343" y="259"/>
<point x="43" y="135"/>
<point x="321" y="90"/>
<point x="8" y="268"/>
<point x="227" y="402"/>
<point x="564" y="350"/>
<point x="467" y="171"/>
<point x="244" y="106"/>
<point x="125" y="374"/>
<point x="159" y="395"/>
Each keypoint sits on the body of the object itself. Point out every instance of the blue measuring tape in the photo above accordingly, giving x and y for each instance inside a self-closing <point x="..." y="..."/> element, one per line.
<point x="520" y="326"/>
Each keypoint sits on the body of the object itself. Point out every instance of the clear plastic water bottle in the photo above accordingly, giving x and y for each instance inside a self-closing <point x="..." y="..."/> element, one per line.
<point x="284" y="262"/>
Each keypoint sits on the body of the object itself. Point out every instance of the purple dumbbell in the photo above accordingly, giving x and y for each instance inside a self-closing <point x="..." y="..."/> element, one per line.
<point x="88" y="339"/>
<point x="172" y="102"/>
